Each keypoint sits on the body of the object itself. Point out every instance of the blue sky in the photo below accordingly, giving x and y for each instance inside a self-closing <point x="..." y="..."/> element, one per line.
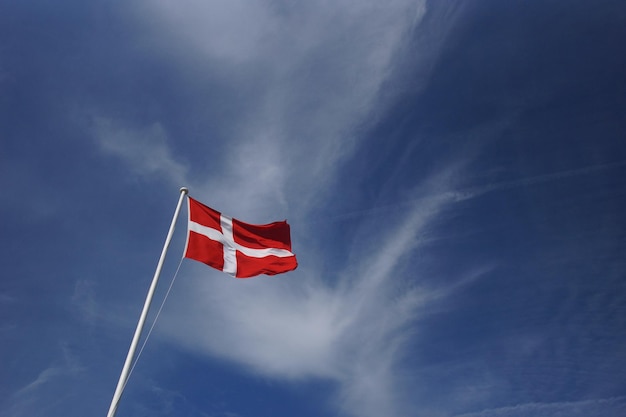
<point x="454" y="174"/>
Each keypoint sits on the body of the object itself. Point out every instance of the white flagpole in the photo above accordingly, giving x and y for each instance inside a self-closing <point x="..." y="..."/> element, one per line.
<point x="133" y="346"/>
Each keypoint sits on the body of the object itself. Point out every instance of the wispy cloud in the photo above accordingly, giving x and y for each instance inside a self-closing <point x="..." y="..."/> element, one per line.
<point x="165" y="402"/>
<point x="594" y="407"/>
<point x="322" y="67"/>
<point x="313" y="72"/>
<point x="84" y="301"/>
<point x="35" y="397"/>
<point x="144" y="148"/>
<point x="69" y="366"/>
<point x="538" y="179"/>
<point x="44" y="377"/>
<point x="350" y="327"/>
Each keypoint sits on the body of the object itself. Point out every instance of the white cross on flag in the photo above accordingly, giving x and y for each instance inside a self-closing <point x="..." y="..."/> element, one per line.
<point x="240" y="249"/>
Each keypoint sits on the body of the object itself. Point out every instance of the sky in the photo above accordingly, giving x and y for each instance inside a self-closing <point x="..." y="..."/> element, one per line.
<point x="454" y="174"/>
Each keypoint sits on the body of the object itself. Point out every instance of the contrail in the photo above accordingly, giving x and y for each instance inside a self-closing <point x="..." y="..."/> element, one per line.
<point x="474" y="192"/>
<point x="556" y="408"/>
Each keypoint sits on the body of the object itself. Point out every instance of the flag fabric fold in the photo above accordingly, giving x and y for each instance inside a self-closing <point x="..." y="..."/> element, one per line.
<point x="240" y="249"/>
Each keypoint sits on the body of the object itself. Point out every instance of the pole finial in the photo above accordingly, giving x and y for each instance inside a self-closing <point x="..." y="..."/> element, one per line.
<point x="184" y="190"/>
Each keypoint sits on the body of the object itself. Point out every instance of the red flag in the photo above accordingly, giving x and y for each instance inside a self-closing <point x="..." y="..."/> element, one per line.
<point x="240" y="249"/>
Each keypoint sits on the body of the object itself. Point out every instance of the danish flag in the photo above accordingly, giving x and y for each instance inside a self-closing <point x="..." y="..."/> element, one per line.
<point x="240" y="249"/>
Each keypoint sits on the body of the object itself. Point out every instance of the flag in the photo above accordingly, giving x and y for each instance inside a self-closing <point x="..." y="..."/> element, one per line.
<point x="240" y="249"/>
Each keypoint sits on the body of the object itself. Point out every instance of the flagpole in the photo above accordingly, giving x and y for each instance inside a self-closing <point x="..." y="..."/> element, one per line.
<point x="133" y="346"/>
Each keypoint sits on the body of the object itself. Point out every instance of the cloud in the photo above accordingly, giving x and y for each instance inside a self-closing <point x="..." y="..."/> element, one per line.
<point x="145" y="149"/>
<point x="44" y="377"/>
<point x="319" y="70"/>
<point x="70" y="366"/>
<point x="309" y="76"/>
<point x="351" y="327"/>
<point x="596" y="407"/>
<point x="538" y="179"/>
<point x="83" y="301"/>
<point x="160" y="401"/>
<point x="48" y="389"/>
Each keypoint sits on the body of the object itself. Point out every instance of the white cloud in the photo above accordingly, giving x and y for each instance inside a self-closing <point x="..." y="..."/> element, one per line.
<point x="145" y="149"/>
<point x="595" y="407"/>
<point x="35" y="397"/>
<point x="44" y="377"/>
<point x="83" y="301"/>
<point x="538" y="179"/>
<point x="301" y="326"/>
<point x="322" y="66"/>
